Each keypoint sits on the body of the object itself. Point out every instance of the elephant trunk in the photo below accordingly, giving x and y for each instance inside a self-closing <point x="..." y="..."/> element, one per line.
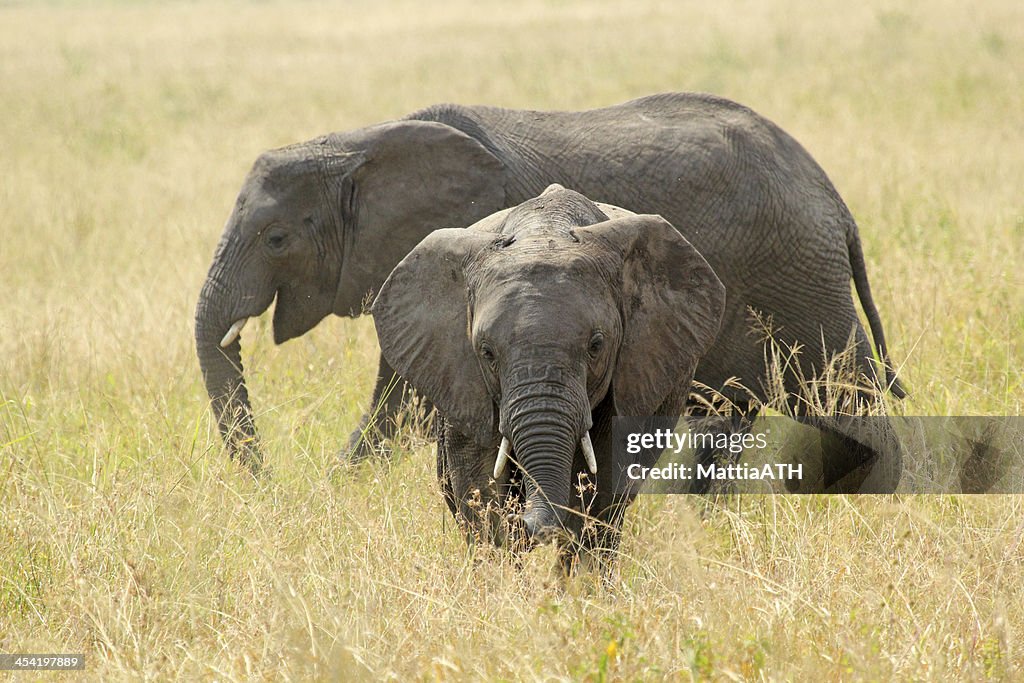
<point x="545" y="426"/>
<point x="222" y="368"/>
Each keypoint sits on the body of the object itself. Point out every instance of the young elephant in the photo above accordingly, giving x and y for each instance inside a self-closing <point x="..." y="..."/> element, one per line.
<point x="530" y="331"/>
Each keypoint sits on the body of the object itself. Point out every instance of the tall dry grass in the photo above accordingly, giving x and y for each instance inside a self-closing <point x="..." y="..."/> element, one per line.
<point x="126" y="534"/>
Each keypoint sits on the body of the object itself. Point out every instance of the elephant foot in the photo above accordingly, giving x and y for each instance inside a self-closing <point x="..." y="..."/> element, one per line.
<point x="592" y="547"/>
<point x="250" y="457"/>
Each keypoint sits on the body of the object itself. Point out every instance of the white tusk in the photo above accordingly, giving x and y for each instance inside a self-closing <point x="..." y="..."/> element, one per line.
<point x="499" y="464"/>
<point x="588" y="453"/>
<point x="233" y="332"/>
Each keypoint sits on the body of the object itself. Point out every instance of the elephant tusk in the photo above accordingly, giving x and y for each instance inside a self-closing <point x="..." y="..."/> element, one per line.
<point x="588" y="453"/>
<point x="499" y="464"/>
<point x="233" y="332"/>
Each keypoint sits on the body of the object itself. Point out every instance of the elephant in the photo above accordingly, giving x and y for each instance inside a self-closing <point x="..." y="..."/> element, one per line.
<point x="319" y="226"/>
<point x="529" y="332"/>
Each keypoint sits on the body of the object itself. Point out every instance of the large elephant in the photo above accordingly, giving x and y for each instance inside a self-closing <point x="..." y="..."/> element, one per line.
<point x="319" y="225"/>
<point x="529" y="332"/>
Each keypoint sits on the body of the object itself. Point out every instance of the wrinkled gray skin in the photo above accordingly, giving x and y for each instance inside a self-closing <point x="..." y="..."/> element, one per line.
<point x="540" y="324"/>
<point x="319" y="225"/>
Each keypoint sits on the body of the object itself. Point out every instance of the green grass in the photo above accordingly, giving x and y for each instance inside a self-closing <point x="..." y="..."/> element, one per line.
<point x="126" y="534"/>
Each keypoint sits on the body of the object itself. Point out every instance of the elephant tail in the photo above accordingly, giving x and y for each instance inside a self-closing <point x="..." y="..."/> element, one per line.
<point x="860" y="281"/>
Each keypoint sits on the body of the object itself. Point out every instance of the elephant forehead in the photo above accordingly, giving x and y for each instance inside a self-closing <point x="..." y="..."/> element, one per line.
<point x="541" y="265"/>
<point x="540" y="296"/>
<point x="528" y="319"/>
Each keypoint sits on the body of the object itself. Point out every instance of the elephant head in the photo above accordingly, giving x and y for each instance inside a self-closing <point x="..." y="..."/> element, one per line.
<point x="318" y="226"/>
<point x="519" y="327"/>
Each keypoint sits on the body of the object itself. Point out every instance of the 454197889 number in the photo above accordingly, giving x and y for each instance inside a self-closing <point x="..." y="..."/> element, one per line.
<point x="41" y="662"/>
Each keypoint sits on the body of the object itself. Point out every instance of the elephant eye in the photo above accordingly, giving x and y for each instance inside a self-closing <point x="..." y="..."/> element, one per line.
<point x="596" y="343"/>
<point x="276" y="239"/>
<point x="487" y="353"/>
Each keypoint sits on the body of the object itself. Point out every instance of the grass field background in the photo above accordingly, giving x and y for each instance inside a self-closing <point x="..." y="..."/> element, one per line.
<point x="125" y="132"/>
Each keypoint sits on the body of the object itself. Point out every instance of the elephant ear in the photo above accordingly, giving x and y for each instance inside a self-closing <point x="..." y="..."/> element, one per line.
<point x="417" y="176"/>
<point x="672" y="305"/>
<point x="422" y="320"/>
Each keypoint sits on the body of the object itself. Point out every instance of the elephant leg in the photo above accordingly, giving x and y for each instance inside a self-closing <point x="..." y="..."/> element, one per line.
<point x="740" y="422"/>
<point x="593" y="526"/>
<point x="595" y="531"/>
<point x="443" y="480"/>
<point x="596" y="544"/>
<point x="379" y="423"/>
<point x="464" y="474"/>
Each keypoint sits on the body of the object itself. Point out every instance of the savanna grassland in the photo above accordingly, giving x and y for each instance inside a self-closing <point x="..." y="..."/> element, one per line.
<point x="125" y="532"/>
